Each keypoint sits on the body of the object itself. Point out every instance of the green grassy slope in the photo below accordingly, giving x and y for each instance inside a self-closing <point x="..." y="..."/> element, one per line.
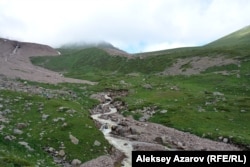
<point x="51" y="132"/>
<point x="196" y="106"/>
<point x="240" y="38"/>
<point x="86" y="61"/>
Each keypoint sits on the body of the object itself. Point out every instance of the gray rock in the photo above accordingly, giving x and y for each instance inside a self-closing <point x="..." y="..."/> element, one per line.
<point x="59" y="119"/>
<point x="225" y="140"/>
<point x="40" y="109"/>
<point x="73" y="139"/>
<point x="163" y="111"/>
<point x="71" y="111"/>
<point x="180" y="144"/>
<point x="61" y="153"/>
<point x="133" y="131"/>
<point x="63" y="109"/>
<point x="133" y="137"/>
<point x="242" y="111"/>
<point x="218" y="94"/>
<point x="51" y="149"/>
<point x="97" y="143"/>
<point x="6" y="112"/>
<point x="147" y="86"/>
<point x="26" y="145"/>
<point x="2" y="127"/>
<point x="144" y="118"/>
<point x="21" y="125"/>
<point x="44" y="117"/>
<point x="17" y="131"/>
<point x="9" y="138"/>
<point x="76" y="162"/>
<point x="220" y="138"/>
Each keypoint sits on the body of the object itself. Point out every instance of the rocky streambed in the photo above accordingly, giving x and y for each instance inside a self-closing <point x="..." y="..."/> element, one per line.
<point x="127" y="134"/>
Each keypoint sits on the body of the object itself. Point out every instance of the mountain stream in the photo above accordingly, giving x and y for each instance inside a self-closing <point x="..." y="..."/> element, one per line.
<point x="123" y="145"/>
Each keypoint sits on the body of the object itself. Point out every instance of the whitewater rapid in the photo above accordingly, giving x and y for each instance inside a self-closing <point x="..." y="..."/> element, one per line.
<point x="124" y="146"/>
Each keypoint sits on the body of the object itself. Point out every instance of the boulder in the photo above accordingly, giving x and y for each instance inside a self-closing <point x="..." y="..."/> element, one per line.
<point x="97" y="143"/>
<point x="73" y="139"/>
<point x="163" y="111"/>
<point x="147" y="86"/>
<point x="21" y="125"/>
<point x="17" y="131"/>
<point x="44" y="117"/>
<point x="76" y="162"/>
<point x="61" y="153"/>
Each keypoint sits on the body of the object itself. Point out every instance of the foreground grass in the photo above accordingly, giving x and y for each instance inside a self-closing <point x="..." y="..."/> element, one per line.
<point x="52" y="132"/>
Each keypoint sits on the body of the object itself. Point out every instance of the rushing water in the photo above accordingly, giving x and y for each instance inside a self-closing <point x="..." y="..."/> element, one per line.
<point x="123" y="145"/>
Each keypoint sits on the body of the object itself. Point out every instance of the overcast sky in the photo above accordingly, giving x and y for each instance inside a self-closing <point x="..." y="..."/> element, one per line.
<point x="131" y="25"/>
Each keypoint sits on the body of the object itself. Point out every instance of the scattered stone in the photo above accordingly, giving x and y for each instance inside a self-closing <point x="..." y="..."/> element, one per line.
<point x="59" y="119"/>
<point x="76" y="162"/>
<point x="21" y="125"/>
<point x="64" y="124"/>
<point x="6" y="112"/>
<point x="26" y="145"/>
<point x="133" y="137"/>
<point x="174" y="88"/>
<point x="163" y="111"/>
<point x="123" y="123"/>
<point x="218" y="94"/>
<point x="71" y="111"/>
<point x="9" y="137"/>
<point x="73" y="139"/>
<point x="200" y="109"/>
<point x="144" y="118"/>
<point x="61" y="153"/>
<point x="63" y="109"/>
<point x="147" y="86"/>
<point x="225" y="140"/>
<point x="107" y="98"/>
<point x="243" y="111"/>
<point x="133" y="131"/>
<point x="44" y="117"/>
<point x="40" y="109"/>
<point x="159" y="140"/>
<point x="51" y="149"/>
<point x="97" y="143"/>
<point x="2" y="127"/>
<point x="180" y="144"/>
<point x="17" y="131"/>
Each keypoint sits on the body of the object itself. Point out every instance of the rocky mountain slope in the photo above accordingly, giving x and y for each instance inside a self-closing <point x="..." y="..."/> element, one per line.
<point x="15" y="63"/>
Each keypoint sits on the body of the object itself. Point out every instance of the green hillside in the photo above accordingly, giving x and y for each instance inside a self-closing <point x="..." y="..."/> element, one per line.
<point x="78" y="59"/>
<point x="212" y="103"/>
<point x="240" y="38"/>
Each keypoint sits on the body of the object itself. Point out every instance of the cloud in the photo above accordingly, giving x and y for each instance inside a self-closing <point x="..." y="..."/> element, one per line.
<point x="165" y="45"/>
<point x="131" y="25"/>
